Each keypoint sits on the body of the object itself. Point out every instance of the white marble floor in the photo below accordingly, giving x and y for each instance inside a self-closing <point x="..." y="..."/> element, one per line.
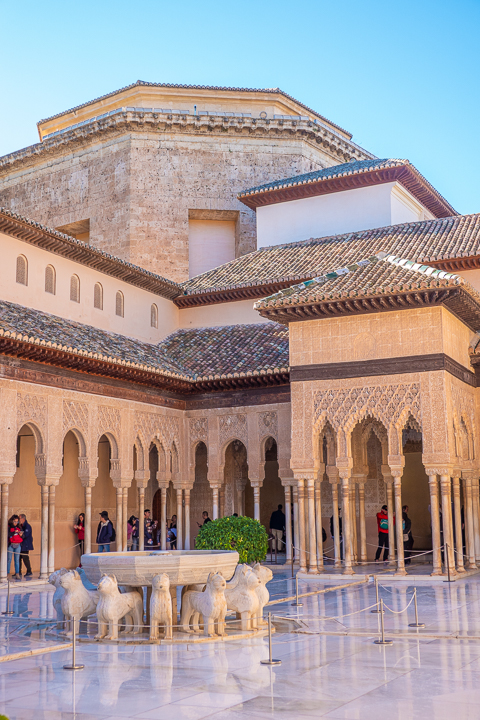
<point x="331" y="669"/>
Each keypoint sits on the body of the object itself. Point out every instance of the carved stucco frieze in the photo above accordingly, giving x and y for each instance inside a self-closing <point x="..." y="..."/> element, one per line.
<point x="75" y="415"/>
<point x="164" y="427"/>
<point x="198" y="429"/>
<point x="233" y="426"/>
<point x="109" y="420"/>
<point x="31" y="408"/>
<point x="268" y="424"/>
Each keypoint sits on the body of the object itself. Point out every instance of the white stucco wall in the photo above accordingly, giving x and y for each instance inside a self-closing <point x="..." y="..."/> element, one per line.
<point x="233" y="313"/>
<point x="337" y="213"/>
<point x="137" y="302"/>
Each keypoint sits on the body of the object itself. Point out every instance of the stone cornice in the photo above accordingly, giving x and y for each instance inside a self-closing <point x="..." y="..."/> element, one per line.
<point x="125" y="120"/>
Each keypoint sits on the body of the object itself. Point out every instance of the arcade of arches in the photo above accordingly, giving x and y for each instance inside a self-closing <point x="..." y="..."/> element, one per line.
<point x="355" y="444"/>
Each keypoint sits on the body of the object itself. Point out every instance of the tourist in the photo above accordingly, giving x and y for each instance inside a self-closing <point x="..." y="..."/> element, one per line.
<point x="14" y="543"/>
<point x="206" y="519"/>
<point x="105" y="532"/>
<point x="26" y="546"/>
<point x="133" y="533"/>
<point x="407" y="536"/>
<point x="172" y="536"/>
<point x="382" y="524"/>
<point x="148" y="528"/>
<point x="79" y="528"/>
<point x="277" y="526"/>
<point x="340" y="531"/>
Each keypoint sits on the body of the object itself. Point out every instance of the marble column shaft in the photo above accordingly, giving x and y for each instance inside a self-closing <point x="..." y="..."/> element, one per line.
<point x="397" y="489"/>
<point x="44" y="533"/>
<point x="446" y="488"/>
<point x="458" y="524"/>
<point x="288" y="523"/>
<point x="141" y="518"/>
<point x="119" y="520"/>
<point x="391" y="522"/>
<point x="179" y="494"/>
<point x="347" y="526"/>
<point x="51" y="529"/>
<point x="186" y="545"/>
<point x="4" y="536"/>
<point x="336" y="527"/>
<point x="88" y="520"/>
<point x="125" y="518"/>
<point x="163" y="518"/>
<point x="363" y="526"/>
<point x="435" y="518"/>
<point x="470" y="531"/>
<point x="296" y="552"/>
<point x="301" y="525"/>
<point x="256" y="502"/>
<point x="312" y="535"/>
<point x="319" y="526"/>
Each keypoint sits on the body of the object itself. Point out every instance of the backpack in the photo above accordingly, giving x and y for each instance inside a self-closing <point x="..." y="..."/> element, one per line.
<point x="384" y="523"/>
<point x="114" y="534"/>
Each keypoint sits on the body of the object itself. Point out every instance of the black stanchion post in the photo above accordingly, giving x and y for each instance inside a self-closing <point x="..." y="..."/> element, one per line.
<point x="296" y="603"/>
<point x="293" y="550"/>
<point x="448" y="563"/>
<point x="270" y="660"/>
<point x="8" y="611"/>
<point x="416" y="624"/>
<point x="73" y="665"/>
<point x="376" y="611"/>
<point x="382" y="640"/>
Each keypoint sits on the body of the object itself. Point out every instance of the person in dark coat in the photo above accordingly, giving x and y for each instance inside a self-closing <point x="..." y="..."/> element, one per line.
<point x="407" y="535"/>
<point x="105" y="532"/>
<point x="277" y="526"/>
<point x="26" y="546"/>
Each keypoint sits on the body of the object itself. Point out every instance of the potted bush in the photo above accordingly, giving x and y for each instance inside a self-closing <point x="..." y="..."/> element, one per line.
<point x="243" y="534"/>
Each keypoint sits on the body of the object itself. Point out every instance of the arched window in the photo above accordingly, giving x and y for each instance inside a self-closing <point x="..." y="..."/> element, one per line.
<point x="154" y="316"/>
<point x="50" y="284"/>
<point x="119" y="308"/>
<point x="75" y="288"/>
<point x="98" y="296"/>
<point x="22" y="270"/>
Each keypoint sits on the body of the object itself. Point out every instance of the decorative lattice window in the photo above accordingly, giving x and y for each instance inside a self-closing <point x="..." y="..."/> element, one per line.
<point x="154" y="316"/>
<point x="22" y="270"/>
<point x="50" y="280"/>
<point x="119" y="304"/>
<point x="75" y="288"/>
<point x="98" y="296"/>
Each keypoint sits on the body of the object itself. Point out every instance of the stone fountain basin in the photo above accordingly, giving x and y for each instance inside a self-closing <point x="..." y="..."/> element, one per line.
<point x="184" y="567"/>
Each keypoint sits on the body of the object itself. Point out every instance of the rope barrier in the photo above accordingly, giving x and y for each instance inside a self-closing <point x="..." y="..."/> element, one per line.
<point x="399" y="612"/>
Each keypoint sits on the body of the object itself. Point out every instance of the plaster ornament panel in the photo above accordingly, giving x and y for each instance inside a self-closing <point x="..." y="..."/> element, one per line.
<point x="344" y="407"/>
<point x="150" y="425"/>
<point x="268" y="424"/>
<point x="233" y="426"/>
<point x="31" y="408"/>
<point x="109" y="420"/>
<point x="198" y="429"/>
<point x="75" y="415"/>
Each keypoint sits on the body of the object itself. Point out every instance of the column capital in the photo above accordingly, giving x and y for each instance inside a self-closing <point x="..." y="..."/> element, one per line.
<point x="6" y="478"/>
<point x="121" y="483"/>
<point x="256" y="483"/>
<point x="287" y="482"/>
<point x="439" y="470"/>
<point x="396" y="461"/>
<point x="396" y="472"/>
<point x="48" y="480"/>
<point x="304" y="473"/>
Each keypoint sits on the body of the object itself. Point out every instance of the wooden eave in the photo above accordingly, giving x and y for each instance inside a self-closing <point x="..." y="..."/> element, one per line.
<point x="459" y="302"/>
<point x="455" y="263"/>
<point x="403" y="174"/>
<point x="89" y="256"/>
<point x="45" y="355"/>
<point x="226" y="295"/>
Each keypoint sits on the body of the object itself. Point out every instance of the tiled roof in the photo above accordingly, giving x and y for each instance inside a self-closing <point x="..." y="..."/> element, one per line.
<point x="140" y="83"/>
<point x="190" y="355"/>
<point x="374" y="276"/>
<point x="252" y="349"/>
<point x="49" y="239"/>
<point x="51" y="331"/>
<point x="427" y="241"/>
<point x="320" y="181"/>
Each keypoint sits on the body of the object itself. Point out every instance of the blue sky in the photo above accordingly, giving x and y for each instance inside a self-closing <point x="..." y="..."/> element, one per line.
<point x="402" y="77"/>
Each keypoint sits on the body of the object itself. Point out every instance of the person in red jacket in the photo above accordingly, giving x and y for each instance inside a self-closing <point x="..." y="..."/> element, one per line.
<point x="79" y="528"/>
<point x="382" y="522"/>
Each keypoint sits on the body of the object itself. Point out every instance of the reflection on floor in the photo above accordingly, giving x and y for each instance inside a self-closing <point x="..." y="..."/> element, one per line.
<point x="331" y="668"/>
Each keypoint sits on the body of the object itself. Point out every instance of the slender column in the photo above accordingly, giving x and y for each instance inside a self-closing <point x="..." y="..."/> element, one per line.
<point x="215" y="490"/>
<point x="435" y="517"/>
<point x="319" y="526"/>
<point x="141" y="519"/>
<point x="476" y="524"/>
<point x="256" y="502"/>
<point x="469" y="534"/>
<point x="288" y="523"/>
<point x="336" y="526"/>
<point x="125" y="518"/>
<point x="301" y="524"/>
<point x="179" y="519"/>
<point x="221" y="501"/>
<point x="51" y="528"/>
<point x="44" y="534"/>
<point x="119" y="521"/>
<point x="312" y="535"/>
<point x="295" y="523"/>
<point x="187" y="519"/>
<point x="446" y="485"/>
<point x="397" y="489"/>
<point x="239" y="489"/>
<point x="163" y="517"/>
<point x="353" y="516"/>
<point x="347" y="522"/>
<point x="4" y="537"/>
<point x="88" y="520"/>
<point x="458" y="524"/>
<point x="363" y="527"/>
<point x="391" y="523"/>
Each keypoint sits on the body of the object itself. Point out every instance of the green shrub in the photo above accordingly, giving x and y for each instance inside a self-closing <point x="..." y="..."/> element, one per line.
<point x="243" y="534"/>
